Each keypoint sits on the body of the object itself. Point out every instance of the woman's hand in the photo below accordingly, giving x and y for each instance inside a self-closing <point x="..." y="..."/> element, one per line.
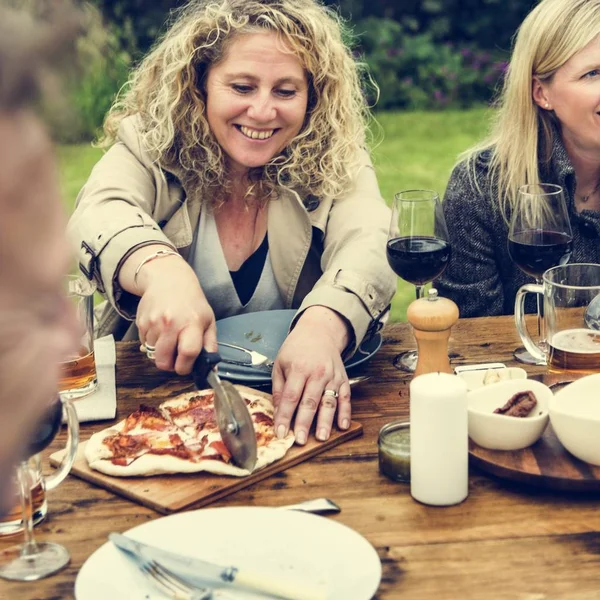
<point x="309" y="363"/>
<point x="173" y="315"/>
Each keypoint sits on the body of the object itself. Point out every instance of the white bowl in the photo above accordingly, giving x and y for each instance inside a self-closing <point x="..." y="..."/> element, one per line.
<point x="499" y="432"/>
<point x="575" y="417"/>
<point x="474" y="379"/>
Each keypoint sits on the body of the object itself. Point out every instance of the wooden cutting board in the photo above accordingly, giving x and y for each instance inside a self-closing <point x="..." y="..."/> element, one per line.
<point x="546" y="464"/>
<point x="172" y="493"/>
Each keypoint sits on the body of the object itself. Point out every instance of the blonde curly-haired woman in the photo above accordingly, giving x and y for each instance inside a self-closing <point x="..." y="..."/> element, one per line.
<point x="237" y="181"/>
<point x="547" y="129"/>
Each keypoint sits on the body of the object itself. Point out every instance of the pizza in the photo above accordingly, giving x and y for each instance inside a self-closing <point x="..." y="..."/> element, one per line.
<point x="181" y="436"/>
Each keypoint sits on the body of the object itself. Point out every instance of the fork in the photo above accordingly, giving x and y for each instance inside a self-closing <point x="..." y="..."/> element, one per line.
<point x="175" y="587"/>
<point x="256" y="358"/>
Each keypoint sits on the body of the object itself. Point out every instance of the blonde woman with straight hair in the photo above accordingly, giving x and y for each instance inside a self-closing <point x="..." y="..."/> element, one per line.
<point x="546" y="130"/>
<point x="236" y="180"/>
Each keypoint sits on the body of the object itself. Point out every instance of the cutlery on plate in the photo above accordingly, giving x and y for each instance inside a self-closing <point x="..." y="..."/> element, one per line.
<point x="167" y="582"/>
<point x="256" y="358"/>
<point x="316" y="506"/>
<point x="195" y="568"/>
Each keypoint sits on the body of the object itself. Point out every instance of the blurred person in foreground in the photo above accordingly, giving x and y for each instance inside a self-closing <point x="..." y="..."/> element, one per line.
<point x="546" y="130"/>
<point x="237" y="181"/>
<point x="37" y="327"/>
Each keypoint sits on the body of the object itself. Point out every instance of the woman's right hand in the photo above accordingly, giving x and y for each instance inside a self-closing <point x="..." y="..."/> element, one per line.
<point x="173" y="315"/>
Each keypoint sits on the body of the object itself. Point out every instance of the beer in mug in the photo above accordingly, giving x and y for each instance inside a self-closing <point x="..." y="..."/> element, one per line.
<point x="78" y="374"/>
<point x="568" y="291"/>
<point x="575" y="350"/>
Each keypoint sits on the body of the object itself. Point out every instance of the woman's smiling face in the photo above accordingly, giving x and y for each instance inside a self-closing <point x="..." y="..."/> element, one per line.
<point x="256" y="100"/>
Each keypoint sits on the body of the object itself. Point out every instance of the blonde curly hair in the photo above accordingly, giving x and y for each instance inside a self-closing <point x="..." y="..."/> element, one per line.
<point x="167" y="92"/>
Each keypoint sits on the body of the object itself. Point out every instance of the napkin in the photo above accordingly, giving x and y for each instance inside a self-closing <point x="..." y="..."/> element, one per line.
<point x="101" y="404"/>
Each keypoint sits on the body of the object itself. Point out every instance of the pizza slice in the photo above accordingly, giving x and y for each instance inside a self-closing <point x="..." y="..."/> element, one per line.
<point x="145" y="443"/>
<point x="195" y="414"/>
<point x="182" y="436"/>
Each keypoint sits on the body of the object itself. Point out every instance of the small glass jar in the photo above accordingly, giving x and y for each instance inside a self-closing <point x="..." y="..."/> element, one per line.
<point x="394" y="450"/>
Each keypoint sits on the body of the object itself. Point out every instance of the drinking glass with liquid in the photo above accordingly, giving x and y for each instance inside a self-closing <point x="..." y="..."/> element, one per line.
<point x="539" y="238"/>
<point x="568" y="291"/>
<point x="78" y="373"/>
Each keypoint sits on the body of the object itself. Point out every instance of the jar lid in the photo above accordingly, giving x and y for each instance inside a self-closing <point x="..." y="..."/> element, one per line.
<point x="389" y="428"/>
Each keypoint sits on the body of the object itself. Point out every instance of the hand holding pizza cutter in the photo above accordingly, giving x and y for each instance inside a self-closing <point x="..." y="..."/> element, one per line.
<point x="233" y="417"/>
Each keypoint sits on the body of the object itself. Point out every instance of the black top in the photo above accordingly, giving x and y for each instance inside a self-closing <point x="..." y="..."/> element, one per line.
<point x="246" y="278"/>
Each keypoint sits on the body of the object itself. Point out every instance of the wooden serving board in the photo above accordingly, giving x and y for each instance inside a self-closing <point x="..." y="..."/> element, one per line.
<point x="172" y="493"/>
<point x="546" y="464"/>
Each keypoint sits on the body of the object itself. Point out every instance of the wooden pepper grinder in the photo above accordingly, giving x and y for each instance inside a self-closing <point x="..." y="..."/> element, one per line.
<point x="432" y="318"/>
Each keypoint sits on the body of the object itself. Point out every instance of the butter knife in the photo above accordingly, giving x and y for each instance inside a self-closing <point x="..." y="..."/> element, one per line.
<point x="196" y="568"/>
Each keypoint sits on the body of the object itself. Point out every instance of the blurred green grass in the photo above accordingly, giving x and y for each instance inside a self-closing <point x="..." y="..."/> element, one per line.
<point x="418" y="150"/>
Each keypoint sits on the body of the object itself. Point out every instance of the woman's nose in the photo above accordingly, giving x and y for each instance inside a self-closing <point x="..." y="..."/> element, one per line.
<point x="262" y="108"/>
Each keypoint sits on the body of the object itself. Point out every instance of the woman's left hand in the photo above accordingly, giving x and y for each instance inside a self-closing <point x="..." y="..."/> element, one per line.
<point x="309" y="376"/>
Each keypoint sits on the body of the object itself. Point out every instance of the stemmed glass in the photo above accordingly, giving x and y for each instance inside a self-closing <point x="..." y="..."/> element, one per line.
<point x="418" y="246"/>
<point x="33" y="560"/>
<point x="539" y="238"/>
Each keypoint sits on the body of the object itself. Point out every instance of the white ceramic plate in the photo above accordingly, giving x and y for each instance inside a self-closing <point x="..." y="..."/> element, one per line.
<point x="297" y="545"/>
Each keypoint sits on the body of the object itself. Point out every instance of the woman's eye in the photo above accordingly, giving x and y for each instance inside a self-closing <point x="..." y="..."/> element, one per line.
<point x="241" y="88"/>
<point x="592" y="73"/>
<point x="286" y="93"/>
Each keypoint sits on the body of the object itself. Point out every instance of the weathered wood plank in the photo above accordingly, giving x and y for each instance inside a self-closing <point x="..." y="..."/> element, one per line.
<point x="507" y="541"/>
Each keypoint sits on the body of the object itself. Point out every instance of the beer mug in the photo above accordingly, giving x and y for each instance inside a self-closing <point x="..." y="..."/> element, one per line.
<point x="78" y="373"/>
<point x="568" y="291"/>
<point x="11" y="522"/>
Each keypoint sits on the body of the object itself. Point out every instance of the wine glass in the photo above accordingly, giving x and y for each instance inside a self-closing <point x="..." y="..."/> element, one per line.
<point x="418" y="247"/>
<point x="33" y="560"/>
<point x="539" y="238"/>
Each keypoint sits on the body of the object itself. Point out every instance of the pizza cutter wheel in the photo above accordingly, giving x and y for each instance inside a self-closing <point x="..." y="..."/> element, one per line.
<point x="233" y="417"/>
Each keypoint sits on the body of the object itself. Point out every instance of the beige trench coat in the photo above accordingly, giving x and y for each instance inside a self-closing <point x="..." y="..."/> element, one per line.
<point x="331" y="253"/>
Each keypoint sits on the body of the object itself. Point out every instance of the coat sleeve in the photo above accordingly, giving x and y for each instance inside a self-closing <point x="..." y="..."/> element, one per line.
<point x="472" y="278"/>
<point x="112" y="219"/>
<point x="357" y="281"/>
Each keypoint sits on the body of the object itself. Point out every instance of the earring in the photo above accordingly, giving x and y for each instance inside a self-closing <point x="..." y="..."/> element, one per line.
<point x="547" y="105"/>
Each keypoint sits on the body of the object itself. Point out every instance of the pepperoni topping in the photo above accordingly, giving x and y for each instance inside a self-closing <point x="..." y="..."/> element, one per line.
<point x="262" y="419"/>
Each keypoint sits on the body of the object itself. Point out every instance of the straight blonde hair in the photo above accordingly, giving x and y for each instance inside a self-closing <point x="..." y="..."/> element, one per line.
<point x="522" y="133"/>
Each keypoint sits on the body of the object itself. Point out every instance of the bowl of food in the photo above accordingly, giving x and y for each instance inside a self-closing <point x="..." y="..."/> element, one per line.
<point x="575" y="418"/>
<point x="509" y="415"/>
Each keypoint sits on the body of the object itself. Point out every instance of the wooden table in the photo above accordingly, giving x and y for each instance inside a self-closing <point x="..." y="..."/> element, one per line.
<point x="504" y="542"/>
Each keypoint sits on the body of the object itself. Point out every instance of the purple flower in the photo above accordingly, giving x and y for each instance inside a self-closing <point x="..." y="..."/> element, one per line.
<point x="440" y="97"/>
<point x="466" y="52"/>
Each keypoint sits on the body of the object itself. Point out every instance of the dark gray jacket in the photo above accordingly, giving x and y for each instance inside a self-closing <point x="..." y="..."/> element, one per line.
<point x="481" y="278"/>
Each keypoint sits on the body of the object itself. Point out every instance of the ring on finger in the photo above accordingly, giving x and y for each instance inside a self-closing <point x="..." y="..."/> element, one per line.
<point x="331" y="393"/>
<point x="150" y="348"/>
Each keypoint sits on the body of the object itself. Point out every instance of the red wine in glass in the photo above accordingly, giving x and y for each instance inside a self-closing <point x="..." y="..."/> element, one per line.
<point x="539" y="238"/>
<point x="419" y="259"/>
<point x="535" y="251"/>
<point x="418" y="248"/>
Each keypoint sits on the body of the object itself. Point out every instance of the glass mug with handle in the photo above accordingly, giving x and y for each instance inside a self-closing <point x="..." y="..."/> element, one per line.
<point x="32" y="560"/>
<point x="568" y="292"/>
<point x="78" y="373"/>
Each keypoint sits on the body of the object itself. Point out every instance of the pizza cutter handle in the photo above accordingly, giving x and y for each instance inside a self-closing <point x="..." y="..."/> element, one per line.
<point x="205" y="362"/>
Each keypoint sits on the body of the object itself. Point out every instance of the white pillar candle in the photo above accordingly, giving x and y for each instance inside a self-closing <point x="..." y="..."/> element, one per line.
<point x="439" y="439"/>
